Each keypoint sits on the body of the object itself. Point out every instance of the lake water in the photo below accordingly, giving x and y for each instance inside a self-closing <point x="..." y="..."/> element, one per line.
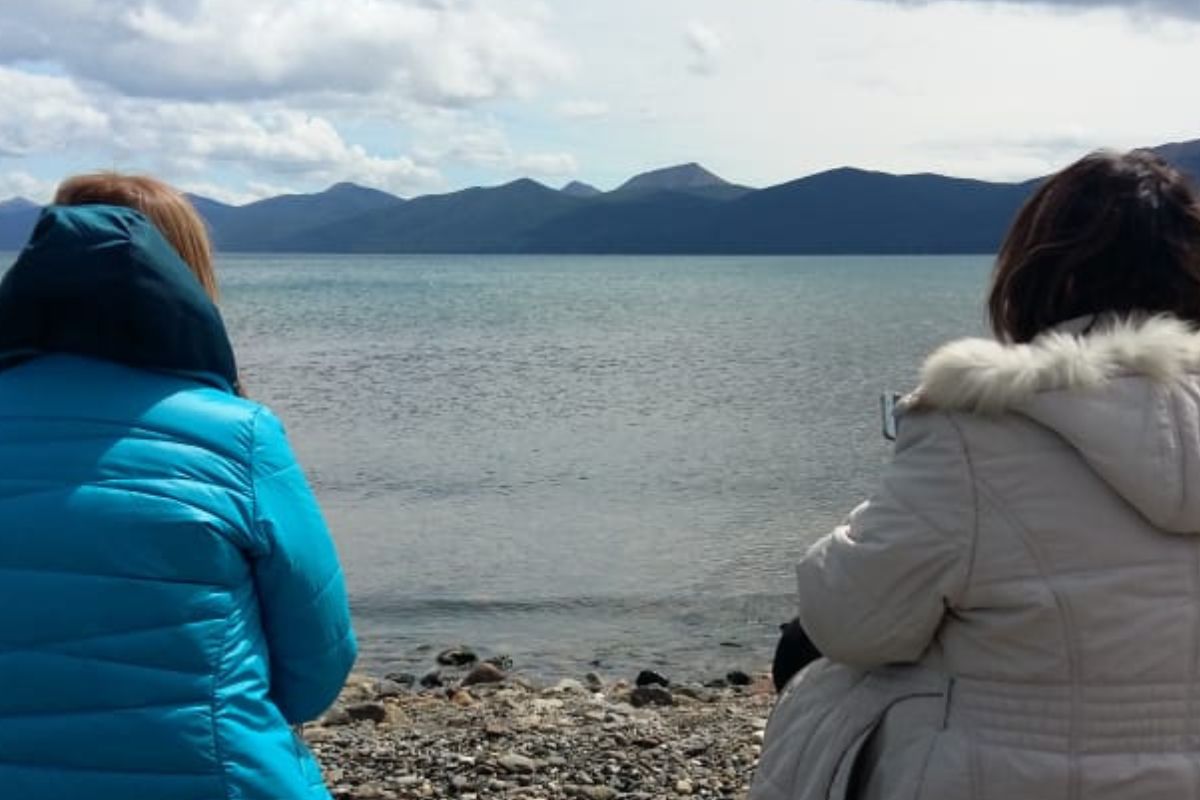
<point x="587" y="463"/>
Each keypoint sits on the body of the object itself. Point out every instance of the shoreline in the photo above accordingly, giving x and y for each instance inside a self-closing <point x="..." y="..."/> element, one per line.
<point x="486" y="733"/>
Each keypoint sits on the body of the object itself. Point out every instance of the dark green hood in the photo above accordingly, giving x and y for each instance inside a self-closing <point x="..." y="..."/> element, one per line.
<point x="101" y="281"/>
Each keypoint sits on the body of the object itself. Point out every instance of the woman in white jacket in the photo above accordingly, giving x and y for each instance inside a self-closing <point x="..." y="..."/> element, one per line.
<point x="1015" y="614"/>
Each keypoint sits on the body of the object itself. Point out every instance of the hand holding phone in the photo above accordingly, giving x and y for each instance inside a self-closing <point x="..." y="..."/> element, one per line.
<point x="887" y="405"/>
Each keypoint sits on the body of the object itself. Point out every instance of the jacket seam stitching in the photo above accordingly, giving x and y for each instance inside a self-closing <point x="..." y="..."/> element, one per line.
<point x="217" y="749"/>
<point x="972" y="547"/>
<point x="923" y="775"/>
<point x="1181" y="449"/>
<point x="1069" y="634"/>
<point x="254" y="482"/>
<point x="975" y="780"/>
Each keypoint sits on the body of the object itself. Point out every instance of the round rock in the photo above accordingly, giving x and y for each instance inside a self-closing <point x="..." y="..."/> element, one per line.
<point x="650" y="696"/>
<point x="739" y="678"/>
<point x="459" y="656"/>
<point x="375" y="712"/>
<point x="649" y="677"/>
<point x="515" y="762"/>
<point x="484" y="673"/>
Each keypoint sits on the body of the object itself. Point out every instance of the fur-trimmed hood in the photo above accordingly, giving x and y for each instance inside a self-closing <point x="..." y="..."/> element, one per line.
<point x="1124" y="393"/>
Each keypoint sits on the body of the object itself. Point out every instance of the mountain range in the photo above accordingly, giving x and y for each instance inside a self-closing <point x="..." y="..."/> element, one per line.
<point x="684" y="209"/>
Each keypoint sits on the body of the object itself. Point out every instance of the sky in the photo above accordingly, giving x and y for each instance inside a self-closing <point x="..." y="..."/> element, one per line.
<point x="243" y="99"/>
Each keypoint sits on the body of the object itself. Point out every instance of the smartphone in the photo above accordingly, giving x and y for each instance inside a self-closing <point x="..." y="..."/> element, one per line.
<point x="887" y="407"/>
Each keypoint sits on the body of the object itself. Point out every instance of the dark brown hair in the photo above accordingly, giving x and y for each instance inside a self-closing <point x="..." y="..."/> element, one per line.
<point x="1113" y="232"/>
<point x="168" y="209"/>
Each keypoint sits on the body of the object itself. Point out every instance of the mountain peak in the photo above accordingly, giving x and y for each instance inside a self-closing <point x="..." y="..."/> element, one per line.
<point x="348" y="189"/>
<point x="17" y="204"/>
<point x="525" y="185"/>
<point x="347" y="186"/>
<point x="681" y="176"/>
<point x="580" y="189"/>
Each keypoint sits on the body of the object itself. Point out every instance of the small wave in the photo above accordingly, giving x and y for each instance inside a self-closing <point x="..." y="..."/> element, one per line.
<point x="679" y="605"/>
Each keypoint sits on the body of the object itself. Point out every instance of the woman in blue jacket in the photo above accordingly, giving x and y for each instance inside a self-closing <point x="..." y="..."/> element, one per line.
<point x="170" y="599"/>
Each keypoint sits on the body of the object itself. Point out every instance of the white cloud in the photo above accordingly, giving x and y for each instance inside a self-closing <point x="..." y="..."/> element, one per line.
<point x="482" y="147"/>
<point x="1013" y="159"/>
<point x="42" y="112"/>
<point x="1174" y="8"/>
<point x="806" y="85"/>
<point x="582" y="109"/>
<point x="291" y="144"/>
<point x="705" y="46"/>
<point x="440" y="53"/>
<point x="488" y="147"/>
<point x="276" y="141"/>
<point x="22" y="184"/>
<point x="424" y="95"/>
<point x="48" y="114"/>
<point x="547" y="165"/>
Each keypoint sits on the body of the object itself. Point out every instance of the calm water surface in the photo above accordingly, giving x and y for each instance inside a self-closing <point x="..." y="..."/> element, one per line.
<point x="578" y="460"/>
<point x="598" y="463"/>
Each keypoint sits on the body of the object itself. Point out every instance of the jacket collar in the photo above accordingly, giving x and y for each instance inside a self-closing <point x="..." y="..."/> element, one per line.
<point x="101" y="281"/>
<point x="986" y="376"/>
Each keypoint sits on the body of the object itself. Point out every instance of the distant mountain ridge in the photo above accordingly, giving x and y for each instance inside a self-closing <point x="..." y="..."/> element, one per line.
<point x="580" y="189"/>
<point x="271" y="223"/>
<point x="16" y="205"/>
<point x="494" y="219"/>
<point x="682" y="209"/>
<point x="688" y="178"/>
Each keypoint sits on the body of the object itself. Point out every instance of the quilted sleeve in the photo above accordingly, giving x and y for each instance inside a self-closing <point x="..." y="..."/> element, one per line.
<point x="306" y="615"/>
<point x="874" y="591"/>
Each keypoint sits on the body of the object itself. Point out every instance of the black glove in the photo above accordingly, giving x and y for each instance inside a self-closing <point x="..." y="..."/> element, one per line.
<point x="794" y="651"/>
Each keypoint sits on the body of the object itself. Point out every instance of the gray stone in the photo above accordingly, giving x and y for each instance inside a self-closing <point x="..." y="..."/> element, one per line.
<point x="739" y="678"/>
<point x="650" y="696"/>
<point x="484" y="673"/>
<point x="459" y="656"/>
<point x="390" y="688"/>
<point x="336" y="716"/>
<point x="375" y="712"/>
<point x="651" y="678"/>
<point x="517" y="763"/>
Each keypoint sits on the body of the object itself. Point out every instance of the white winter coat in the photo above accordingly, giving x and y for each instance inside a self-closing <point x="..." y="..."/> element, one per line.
<point x="1032" y="553"/>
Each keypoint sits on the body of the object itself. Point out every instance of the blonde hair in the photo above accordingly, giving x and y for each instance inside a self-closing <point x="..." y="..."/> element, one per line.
<point x="163" y="205"/>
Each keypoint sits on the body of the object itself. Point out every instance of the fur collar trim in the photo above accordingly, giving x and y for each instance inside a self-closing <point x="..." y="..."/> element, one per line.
<point x="985" y="376"/>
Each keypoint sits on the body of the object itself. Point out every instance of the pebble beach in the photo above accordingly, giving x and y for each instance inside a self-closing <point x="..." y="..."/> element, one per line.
<point x="475" y="731"/>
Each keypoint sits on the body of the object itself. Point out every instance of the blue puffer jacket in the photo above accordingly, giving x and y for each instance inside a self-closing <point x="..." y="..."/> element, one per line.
<point x="170" y="599"/>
